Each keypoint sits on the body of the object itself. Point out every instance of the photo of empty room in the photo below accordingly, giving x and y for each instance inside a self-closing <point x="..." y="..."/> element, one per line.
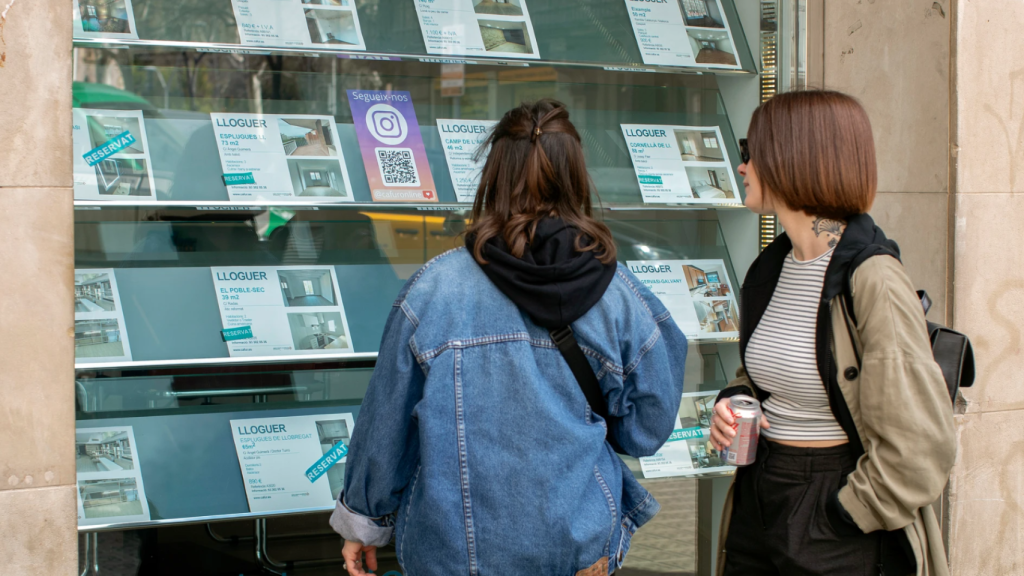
<point x="700" y="146"/>
<point x="98" y="338"/>
<point x="331" y="432"/>
<point x="712" y="46"/>
<point x="109" y="16"/>
<point x="318" y="331"/>
<point x="307" y="287"/>
<point x="703" y="13"/>
<point x="716" y="316"/>
<point x="93" y="293"/>
<point x="708" y="182"/>
<point x="123" y="177"/>
<point x="315" y="178"/>
<point x="501" y="36"/>
<point x="103" y="129"/>
<point x="107" y="451"/>
<point x="307" y="137"/>
<point x="499" y="7"/>
<point x="110" y="498"/>
<point x="336" y="27"/>
<point x="707" y="281"/>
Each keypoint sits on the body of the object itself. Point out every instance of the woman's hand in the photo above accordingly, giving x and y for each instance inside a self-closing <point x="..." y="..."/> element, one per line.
<point x="723" y="425"/>
<point x="353" y="553"/>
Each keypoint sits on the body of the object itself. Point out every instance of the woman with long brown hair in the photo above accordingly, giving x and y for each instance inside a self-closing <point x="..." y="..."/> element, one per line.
<point x="510" y="373"/>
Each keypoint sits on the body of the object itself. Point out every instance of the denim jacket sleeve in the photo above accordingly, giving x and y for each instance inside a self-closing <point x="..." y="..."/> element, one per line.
<point x="384" y="450"/>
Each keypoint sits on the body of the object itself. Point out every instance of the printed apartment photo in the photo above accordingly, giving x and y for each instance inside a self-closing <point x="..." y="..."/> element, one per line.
<point x="711" y="46"/>
<point x="314" y="178"/>
<point x="109" y="16"/>
<point x="707" y="281"/>
<point x="702" y="13"/>
<point x="93" y="293"/>
<point x="103" y="451"/>
<point x="307" y="137"/>
<point x="100" y="338"/>
<point x="307" y="288"/>
<point x="331" y="432"/>
<point x="699" y="146"/>
<point x="103" y="129"/>
<point x="716" y="316"/>
<point x="499" y="7"/>
<point x="695" y="411"/>
<point x="709" y="182"/>
<point x="123" y="177"/>
<point x="318" y="331"/>
<point x="110" y="498"/>
<point x="335" y="3"/>
<point x="703" y="454"/>
<point x="505" y="36"/>
<point x="335" y="27"/>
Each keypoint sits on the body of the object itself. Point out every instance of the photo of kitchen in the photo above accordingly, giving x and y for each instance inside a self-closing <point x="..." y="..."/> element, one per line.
<point x="712" y="46"/>
<point x="702" y="13"/>
<point x="703" y="454"/>
<point x="307" y="287"/>
<point x="103" y="451"/>
<point x="334" y="27"/>
<point x="716" y="316"/>
<point x="318" y="331"/>
<point x="708" y="280"/>
<point x="699" y="146"/>
<point x="498" y="7"/>
<point x="331" y="432"/>
<point x="93" y="292"/>
<point x="708" y="182"/>
<point x="99" y="338"/>
<point x="307" y="137"/>
<point x="111" y="498"/>
<point x="103" y="129"/>
<point x="317" y="178"/>
<point x="504" y="36"/>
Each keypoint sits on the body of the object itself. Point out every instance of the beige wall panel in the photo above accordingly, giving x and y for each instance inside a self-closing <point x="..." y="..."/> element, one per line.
<point x="35" y="93"/>
<point x="918" y="223"/>
<point x="894" y="57"/>
<point x="991" y="96"/>
<point x="989" y="277"/>
<point x="39" y="532"/>
<point x="36" y="339"/>
<point x="986" y="492"/>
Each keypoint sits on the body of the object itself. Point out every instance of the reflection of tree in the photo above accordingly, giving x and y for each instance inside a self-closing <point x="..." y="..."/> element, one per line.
<point x="186" y="21"/>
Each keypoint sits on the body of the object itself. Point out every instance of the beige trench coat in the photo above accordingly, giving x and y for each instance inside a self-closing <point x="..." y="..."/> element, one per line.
<point x="900" y="406"/>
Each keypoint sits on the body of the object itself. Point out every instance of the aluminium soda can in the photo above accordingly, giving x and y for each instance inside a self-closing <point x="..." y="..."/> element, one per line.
<point x="747" y="413"/>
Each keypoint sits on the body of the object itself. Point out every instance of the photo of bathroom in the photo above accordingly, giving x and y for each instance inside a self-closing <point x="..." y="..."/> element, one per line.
<point x="112" y="498"/>
<point x="317" y="178"/>
<point x="498" y="7"/>
<point x="110" y="16"/>
<point x="712" y="46"/>
<point x="709" y="280"/>
<point x="98" y="338"/>
<point x="716" y="316"/>
<point x="699" y="146"/>
<point x="702" y="13"/>
<point x="93" y="293"/>
<point x="708" y="182"/>
<point x="504" y="36"/>
<point x="331" y="432"/>
<point x="102" y="129"/>
<point x="334" y="27"/>
<point x="106" y="451"/>
<point x="307" y="137"/>
<point x="307" y="287"/>
<point x="318" y="331"/>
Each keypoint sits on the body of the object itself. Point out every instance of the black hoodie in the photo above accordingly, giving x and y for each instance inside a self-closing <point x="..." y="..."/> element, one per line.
<point x="552" y="282"/>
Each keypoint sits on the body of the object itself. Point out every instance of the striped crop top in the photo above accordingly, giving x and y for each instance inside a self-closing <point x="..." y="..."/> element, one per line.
<point x="781" y="357"/>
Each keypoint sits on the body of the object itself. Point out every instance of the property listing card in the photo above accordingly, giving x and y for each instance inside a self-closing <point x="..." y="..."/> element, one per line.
<point x="291" y="157"/>
<point x="683" y="33"/>
<point x="391" y="146"/>
<point x="100" y="334"/>
<point x="688" y="450"/>
<point x="113" y="19"/>
<point x="681" y="164"/>
<point x="493" y="28"/>
<point x="109" y="477"/>
<point x="111" y="155"/>
<point x="326" y="24"/>
<point x="281" y="310"/>
<point x="292" y="463"/>
<point x="698" y="293"/>
<point x="461" y="140"/>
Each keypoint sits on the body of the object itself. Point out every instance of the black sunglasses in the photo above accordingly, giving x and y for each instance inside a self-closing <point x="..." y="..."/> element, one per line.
<point x="744" y="151"/>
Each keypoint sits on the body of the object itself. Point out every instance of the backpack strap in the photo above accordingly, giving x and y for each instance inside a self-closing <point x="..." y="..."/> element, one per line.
<point x="581" y="369"/>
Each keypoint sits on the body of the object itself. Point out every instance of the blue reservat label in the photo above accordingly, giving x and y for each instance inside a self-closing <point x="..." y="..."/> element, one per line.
<point x="332" y="457"/>
<point x="686" y="434"/>
<point x="236" y="179"/>
<point x="240" y="333"/>
<point x="109" y="148"/>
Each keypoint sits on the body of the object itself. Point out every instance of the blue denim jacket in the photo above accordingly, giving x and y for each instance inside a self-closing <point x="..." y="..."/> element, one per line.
<point x="475" y="447"/>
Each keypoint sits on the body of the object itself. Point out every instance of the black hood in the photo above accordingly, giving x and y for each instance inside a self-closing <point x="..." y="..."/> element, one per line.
<point x="552" y="282"/>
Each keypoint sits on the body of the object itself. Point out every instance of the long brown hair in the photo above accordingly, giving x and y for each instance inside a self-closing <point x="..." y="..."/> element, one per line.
<point x="535" y="170"/>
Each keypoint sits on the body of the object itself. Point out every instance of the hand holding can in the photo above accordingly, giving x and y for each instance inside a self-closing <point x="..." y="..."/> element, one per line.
<point x="732" y="418"/>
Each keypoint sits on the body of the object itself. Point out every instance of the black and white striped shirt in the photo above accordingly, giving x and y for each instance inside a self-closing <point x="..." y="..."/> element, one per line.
<point x="781" y="357"/>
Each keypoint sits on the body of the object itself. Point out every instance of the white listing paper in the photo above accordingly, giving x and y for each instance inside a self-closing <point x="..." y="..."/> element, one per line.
<point x="293" y="463"/>
<point x="461" y="139"/>
<point x="109" y="477"/>
<point x="112" y="19"/>
<point x="100" y="334"/>
<point x="681" y="164"/>
<point x="698" y="293"/>
<point x="325" y="24"/>
<point x="688" y="450"/>
<point x="289" y="310"/>
<point x="496" y="29"/>
<point x="111" y="155"/>
<point x="281" y="157"/>
<point x="683" y="33"/>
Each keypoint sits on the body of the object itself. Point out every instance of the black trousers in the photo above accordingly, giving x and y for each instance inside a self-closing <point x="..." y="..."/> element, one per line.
<point x="779" y="526"/>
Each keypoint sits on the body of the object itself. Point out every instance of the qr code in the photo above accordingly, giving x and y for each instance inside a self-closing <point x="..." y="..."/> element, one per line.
<point x="397" y="167"/>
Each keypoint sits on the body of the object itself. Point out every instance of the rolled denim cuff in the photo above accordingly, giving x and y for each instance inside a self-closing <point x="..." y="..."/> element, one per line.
<point x="358" y="528"/>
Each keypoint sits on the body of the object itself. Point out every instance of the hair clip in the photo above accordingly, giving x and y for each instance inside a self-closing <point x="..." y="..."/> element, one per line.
<point x="536" y="133"/>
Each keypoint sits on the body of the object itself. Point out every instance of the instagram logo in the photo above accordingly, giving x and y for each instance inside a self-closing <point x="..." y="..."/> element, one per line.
<point x="386" y="124"/>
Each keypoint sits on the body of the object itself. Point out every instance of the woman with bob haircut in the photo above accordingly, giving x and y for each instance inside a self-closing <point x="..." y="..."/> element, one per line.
<point x="476" y="448"/>
<point x="858" y="436"/>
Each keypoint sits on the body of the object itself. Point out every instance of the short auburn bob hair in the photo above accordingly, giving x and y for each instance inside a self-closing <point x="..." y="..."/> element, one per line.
<point x="813" y="151"/>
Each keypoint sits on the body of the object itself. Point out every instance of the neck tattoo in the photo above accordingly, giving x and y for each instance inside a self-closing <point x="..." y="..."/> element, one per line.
<point x="832" y="229"/>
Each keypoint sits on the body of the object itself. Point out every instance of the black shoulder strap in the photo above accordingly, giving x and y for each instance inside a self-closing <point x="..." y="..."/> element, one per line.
<point x="581" y="369"/>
